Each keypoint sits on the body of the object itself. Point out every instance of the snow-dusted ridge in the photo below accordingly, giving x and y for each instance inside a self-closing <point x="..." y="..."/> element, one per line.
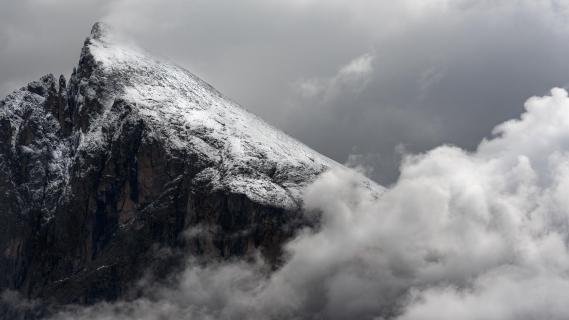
<point x="253" y="157"/>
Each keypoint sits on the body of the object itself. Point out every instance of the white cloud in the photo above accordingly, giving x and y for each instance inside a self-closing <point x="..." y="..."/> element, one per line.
<point x="360" y="66"/>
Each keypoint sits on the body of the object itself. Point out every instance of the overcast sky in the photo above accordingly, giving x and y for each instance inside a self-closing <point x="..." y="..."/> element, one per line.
<point x="365" y="78"/>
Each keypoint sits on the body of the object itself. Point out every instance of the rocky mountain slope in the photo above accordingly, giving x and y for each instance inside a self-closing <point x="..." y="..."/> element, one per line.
<point x="129" y="166"/>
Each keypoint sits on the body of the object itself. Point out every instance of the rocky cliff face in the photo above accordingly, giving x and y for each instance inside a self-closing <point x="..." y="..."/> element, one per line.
<point x="131" y="165"/>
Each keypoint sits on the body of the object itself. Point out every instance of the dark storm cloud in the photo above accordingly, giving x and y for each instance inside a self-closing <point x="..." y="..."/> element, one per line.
<point x="436" y="71"/>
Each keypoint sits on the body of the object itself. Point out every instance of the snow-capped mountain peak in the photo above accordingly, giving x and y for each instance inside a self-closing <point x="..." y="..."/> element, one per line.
<point x="250" y="156"/>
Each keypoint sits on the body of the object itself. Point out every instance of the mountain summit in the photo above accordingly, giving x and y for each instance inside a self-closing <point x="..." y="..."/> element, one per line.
<point x="249" y="157"/>
<point x="128" y="167"/>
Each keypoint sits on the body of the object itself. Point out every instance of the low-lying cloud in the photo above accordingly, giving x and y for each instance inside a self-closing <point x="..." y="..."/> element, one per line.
<point x="460" y="235"/>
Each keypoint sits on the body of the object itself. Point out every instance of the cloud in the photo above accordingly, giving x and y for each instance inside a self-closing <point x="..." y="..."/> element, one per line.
<point x="352" y="77"/>
<point x="358" y="67"/>
<point x="461" y="235"/>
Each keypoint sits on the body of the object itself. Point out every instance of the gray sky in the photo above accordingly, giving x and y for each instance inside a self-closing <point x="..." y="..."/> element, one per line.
<point x="365" y="78"/>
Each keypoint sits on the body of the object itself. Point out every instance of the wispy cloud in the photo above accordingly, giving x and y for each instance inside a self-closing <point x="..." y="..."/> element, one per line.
<point x="352" y="77"/>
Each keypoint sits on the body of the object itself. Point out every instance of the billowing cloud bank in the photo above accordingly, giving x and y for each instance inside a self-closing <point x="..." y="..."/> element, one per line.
<point x="461" y="235"/>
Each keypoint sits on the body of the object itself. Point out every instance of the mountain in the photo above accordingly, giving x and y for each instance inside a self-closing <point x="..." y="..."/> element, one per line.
<point x="129" y="167"/>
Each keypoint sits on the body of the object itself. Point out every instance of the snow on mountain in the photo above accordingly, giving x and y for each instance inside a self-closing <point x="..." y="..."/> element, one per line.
<point x="252" y="157"/>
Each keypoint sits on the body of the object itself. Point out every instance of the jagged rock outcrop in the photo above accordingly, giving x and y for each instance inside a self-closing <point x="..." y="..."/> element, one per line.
<point x="131" y="165"/>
